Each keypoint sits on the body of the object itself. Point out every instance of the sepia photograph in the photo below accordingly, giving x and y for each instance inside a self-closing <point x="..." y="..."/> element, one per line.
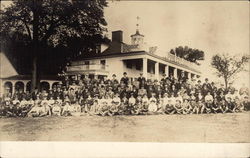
<point x="125" y="71"/>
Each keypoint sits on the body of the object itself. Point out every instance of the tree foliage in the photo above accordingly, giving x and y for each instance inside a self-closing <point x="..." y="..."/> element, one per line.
<point x="43" y="25"/>
<point x="228" y="66"/>
<point x="189" y="54"/>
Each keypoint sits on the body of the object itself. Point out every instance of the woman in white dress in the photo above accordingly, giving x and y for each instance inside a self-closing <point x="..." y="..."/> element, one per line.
<point x="152" y="107"/>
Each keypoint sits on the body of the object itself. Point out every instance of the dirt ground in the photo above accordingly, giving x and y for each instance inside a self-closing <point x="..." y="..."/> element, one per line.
<point x="153" y="128"/>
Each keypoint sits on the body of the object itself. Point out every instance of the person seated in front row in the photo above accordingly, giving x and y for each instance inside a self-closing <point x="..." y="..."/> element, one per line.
<point x="56" y="108"/>
<point x="35" y="110"/>
<point x="152" y="107"/>
<point x="131" y="104"/>
<point x="30" y="102"/>
<point x="95" y="106"/>
<point x="123" y="106"/>
<point x="164" y="103"/>
<point x="15" y="101"/>
<point x="231" y="106"/>
<point x="75" y="109"/>
<point x="223" y="106"/>
<point x="245" y="102"/>
<point x="47" y="107"/>
<point x="88" y="104"/>
<point x="178" y="107"/>
<point x="113" y="110"/>
<point x="170" y="106"/>
<point x="51" y="101"/>
<point x="138" y="106"/>
<point x="82" y="103"/>
<point x="208" y="102"/>
<point x="196" y="106"/>
<point x="192" y="102"/>
<point x="116" y="101"/>
<point x="24" y="107"/>
<point x="145" y="104"/>
<point x="66" y="109"/>
<point x="228" y="98"/>
<point x="239" y="106"/>
<point x="2" y="109"/>
<point x="104" y="107"/>
<point x="59" y="100"/>
<point x="186" y="106"/>
<point x="215" y="107"/>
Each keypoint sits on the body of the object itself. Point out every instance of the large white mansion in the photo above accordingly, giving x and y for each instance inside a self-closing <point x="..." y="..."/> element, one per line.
<point x="119" y="57"/>
<point x="116" y="57"/>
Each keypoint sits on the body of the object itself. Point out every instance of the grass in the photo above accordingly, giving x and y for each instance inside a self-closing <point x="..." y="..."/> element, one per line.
<point x="152" y="128"/>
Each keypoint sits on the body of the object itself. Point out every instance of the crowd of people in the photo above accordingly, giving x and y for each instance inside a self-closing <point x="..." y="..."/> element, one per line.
<point x="108" y="97"/>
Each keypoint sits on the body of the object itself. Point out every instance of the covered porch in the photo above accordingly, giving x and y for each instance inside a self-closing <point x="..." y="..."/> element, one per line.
<point x="154" y="69"/>
<point x="22" y="83"/>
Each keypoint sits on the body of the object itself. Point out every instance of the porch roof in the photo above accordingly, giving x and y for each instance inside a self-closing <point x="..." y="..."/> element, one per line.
<point x="136" y="53"/>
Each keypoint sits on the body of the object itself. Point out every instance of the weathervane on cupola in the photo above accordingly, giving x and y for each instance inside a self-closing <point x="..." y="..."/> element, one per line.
<point x="137" y="38"/>
<point x="137" y="24"/>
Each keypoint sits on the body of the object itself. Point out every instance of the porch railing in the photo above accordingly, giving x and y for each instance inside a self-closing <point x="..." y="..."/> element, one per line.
<point x="87" y="67"/>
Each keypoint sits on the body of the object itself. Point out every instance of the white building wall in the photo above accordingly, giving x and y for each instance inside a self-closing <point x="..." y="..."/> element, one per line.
<point x="6" y="68"/>
<point x="114" y="66"/>
<point x="118" y="67"/>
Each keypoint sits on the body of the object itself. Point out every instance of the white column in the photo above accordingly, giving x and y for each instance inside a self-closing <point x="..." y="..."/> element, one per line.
<point x="157" y="71"/>
<point x="50" y="85"/>
<point x="13" y="87"/>
<point x="24" y="86"/>
<point x="189" y="75"/>
<point x="145" y="67"/>
<point x="192" y="76"/>
<point x="175" y="73"/>
<point x="167" y="70"/>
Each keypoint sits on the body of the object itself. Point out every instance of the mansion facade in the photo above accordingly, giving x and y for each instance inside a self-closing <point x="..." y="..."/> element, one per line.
<point x="118" y="57"/>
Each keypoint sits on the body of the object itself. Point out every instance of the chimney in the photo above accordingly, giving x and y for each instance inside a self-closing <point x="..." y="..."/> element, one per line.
<point x="117" y="36"/>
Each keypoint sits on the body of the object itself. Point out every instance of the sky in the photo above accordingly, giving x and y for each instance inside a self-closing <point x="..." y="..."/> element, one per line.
<point x="214" y="27"/>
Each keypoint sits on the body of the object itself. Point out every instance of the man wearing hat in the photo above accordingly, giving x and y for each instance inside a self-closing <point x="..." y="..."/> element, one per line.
<point x="182" y="78"/>
<point x="213" y="89"/>
<point x="125" y="79"/>
<point x="142" y="80"/>
<point x="164" y="79"/>
<point x="206" y="84"/>
<point x="114" y="80"/>
<point x="198" y="86"/>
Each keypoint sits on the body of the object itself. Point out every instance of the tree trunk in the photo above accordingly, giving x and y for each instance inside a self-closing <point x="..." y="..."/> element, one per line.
<point x="34" y="74"/>
<point x="226" y="82"/>
<point x="35" y="44"/>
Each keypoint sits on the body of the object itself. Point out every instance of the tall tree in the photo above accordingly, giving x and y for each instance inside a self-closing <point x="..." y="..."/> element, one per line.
<point x="41" y="24"/>
<point x="189" y="54"/>
<point x="228" y="66"/>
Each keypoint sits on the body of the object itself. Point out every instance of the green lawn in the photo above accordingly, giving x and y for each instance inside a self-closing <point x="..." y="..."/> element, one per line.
<point x="153" y="128"/>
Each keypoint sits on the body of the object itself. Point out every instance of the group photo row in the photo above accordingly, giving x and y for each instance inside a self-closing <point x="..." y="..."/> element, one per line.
<point x="84" y="95"/>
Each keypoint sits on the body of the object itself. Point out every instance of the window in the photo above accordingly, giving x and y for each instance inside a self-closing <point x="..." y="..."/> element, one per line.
<point x="129" y="65"/>
<point x="86" y="62"/>
<point x="138" y="66"/>
<point x="103" y="62"/>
